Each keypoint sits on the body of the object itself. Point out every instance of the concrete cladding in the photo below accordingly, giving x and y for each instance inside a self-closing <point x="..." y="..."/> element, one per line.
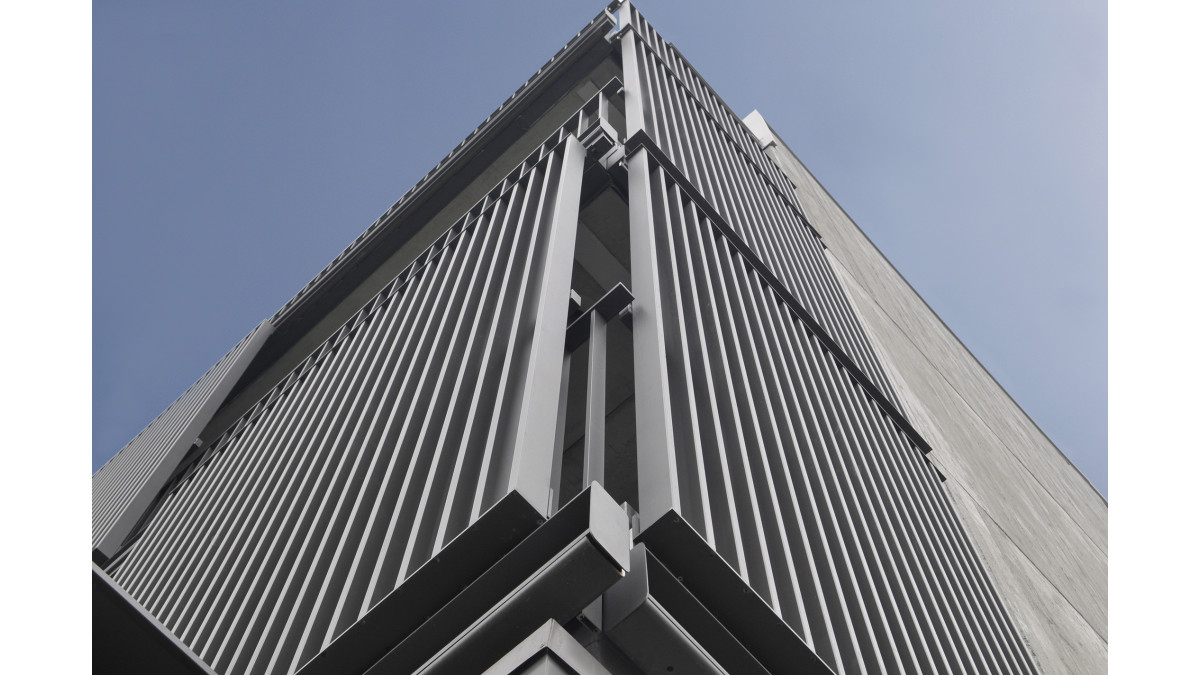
<point x="1039" y="526"/>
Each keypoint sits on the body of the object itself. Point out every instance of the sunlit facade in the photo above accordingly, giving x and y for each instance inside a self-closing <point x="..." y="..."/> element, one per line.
<point x="615" y="388"/>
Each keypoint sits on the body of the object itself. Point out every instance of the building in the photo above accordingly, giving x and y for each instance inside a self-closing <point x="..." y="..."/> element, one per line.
<point x="616" y="387"/>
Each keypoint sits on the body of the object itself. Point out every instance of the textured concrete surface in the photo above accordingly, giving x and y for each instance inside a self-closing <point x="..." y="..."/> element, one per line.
<point x="1039" y="527"/>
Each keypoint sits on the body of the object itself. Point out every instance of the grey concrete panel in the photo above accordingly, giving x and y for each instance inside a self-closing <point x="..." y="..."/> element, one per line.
<point x="975" y="462"/>
<point x="901" y="304"/>
<point x="1061" y="641"/>
<point x="1039" y="527"/>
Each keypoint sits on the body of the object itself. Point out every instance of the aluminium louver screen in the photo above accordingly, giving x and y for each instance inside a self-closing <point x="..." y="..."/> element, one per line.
<point x="388" y="441"/>
<point x="719" y="155"/>
<point x="797" y="477"/>
<point x="771" y="461"/>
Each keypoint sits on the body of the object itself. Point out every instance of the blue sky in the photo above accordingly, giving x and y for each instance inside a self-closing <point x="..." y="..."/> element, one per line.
<point x="238" y="147"/>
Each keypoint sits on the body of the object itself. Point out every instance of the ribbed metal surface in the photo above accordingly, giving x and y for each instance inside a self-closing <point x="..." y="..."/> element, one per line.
<point x="130" y="473"/>
<point x="384" y="444"/>
<point x="797" y="477"/>
<point x="710" y="103"/>
<point x="722" y="158"/>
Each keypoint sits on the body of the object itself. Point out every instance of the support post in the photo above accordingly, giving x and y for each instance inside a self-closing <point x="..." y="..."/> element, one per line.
<point x="533" y="453"/>
<point x="635" y="117"/>
<point x="560" y="432"/>
<point x="593" y="439"/>
<point x="658" y="482"/>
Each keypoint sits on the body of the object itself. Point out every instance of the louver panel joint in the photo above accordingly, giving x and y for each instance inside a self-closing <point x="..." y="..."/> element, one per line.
<point x="127" y="485"/>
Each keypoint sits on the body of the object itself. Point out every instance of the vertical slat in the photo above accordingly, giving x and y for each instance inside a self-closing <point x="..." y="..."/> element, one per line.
<point x="499" y="437"/>
<point x="326" y="571"/>
<point x="682" y="351"/>
<point x="532" y="458"/>
<point x="635" y="116"/>
<point x="594" y="408"/>
<point x="686" y="120"/>
<point x="658" y="487"/>
<point x="560" y="431"/>
<point x="746" y="488"/>
<point x="469" y="462"/>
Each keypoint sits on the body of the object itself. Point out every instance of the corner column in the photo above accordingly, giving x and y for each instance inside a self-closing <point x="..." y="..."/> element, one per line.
<point x="533" y="454"/>
<point x="658" y="483"/>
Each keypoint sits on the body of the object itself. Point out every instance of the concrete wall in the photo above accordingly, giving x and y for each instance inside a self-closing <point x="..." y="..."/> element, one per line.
<point x="1039" y="526"/>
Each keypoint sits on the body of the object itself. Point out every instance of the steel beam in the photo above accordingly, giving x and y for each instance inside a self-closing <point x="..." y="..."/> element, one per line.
<point x="560" y="432"/>
<point x="635" y="118"/>
<point x="547" y="648"/>
<point x="713" y="584"/>
<point x="466" y="607"/>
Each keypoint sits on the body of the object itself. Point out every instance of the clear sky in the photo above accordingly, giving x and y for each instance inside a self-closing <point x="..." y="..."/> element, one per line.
<point x="238" y="147"/>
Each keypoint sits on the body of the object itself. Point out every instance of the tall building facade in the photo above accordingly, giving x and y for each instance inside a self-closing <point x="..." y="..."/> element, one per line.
<point x="616" y="388"/>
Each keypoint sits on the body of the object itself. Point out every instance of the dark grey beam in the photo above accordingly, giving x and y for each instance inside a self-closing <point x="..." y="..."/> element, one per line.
<point x="593" y="439"/>
<point x="687" y="558"/>
<point x="466" y="607"/>
<point x="127" y="639"/>
<point x="549" y="649"/>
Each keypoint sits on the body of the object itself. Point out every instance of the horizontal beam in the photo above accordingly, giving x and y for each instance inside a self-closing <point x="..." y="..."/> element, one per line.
<point x="616" y="299"/>
<point x="550" y="640"/>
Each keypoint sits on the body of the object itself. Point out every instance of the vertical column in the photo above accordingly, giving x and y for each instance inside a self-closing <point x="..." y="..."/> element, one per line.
<point x="533" y="453"/>
<point x="658" y="483"/>
<point x="593" y="443"/>
<point x="560" y="437"/>
<point x="635" y="118"/>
